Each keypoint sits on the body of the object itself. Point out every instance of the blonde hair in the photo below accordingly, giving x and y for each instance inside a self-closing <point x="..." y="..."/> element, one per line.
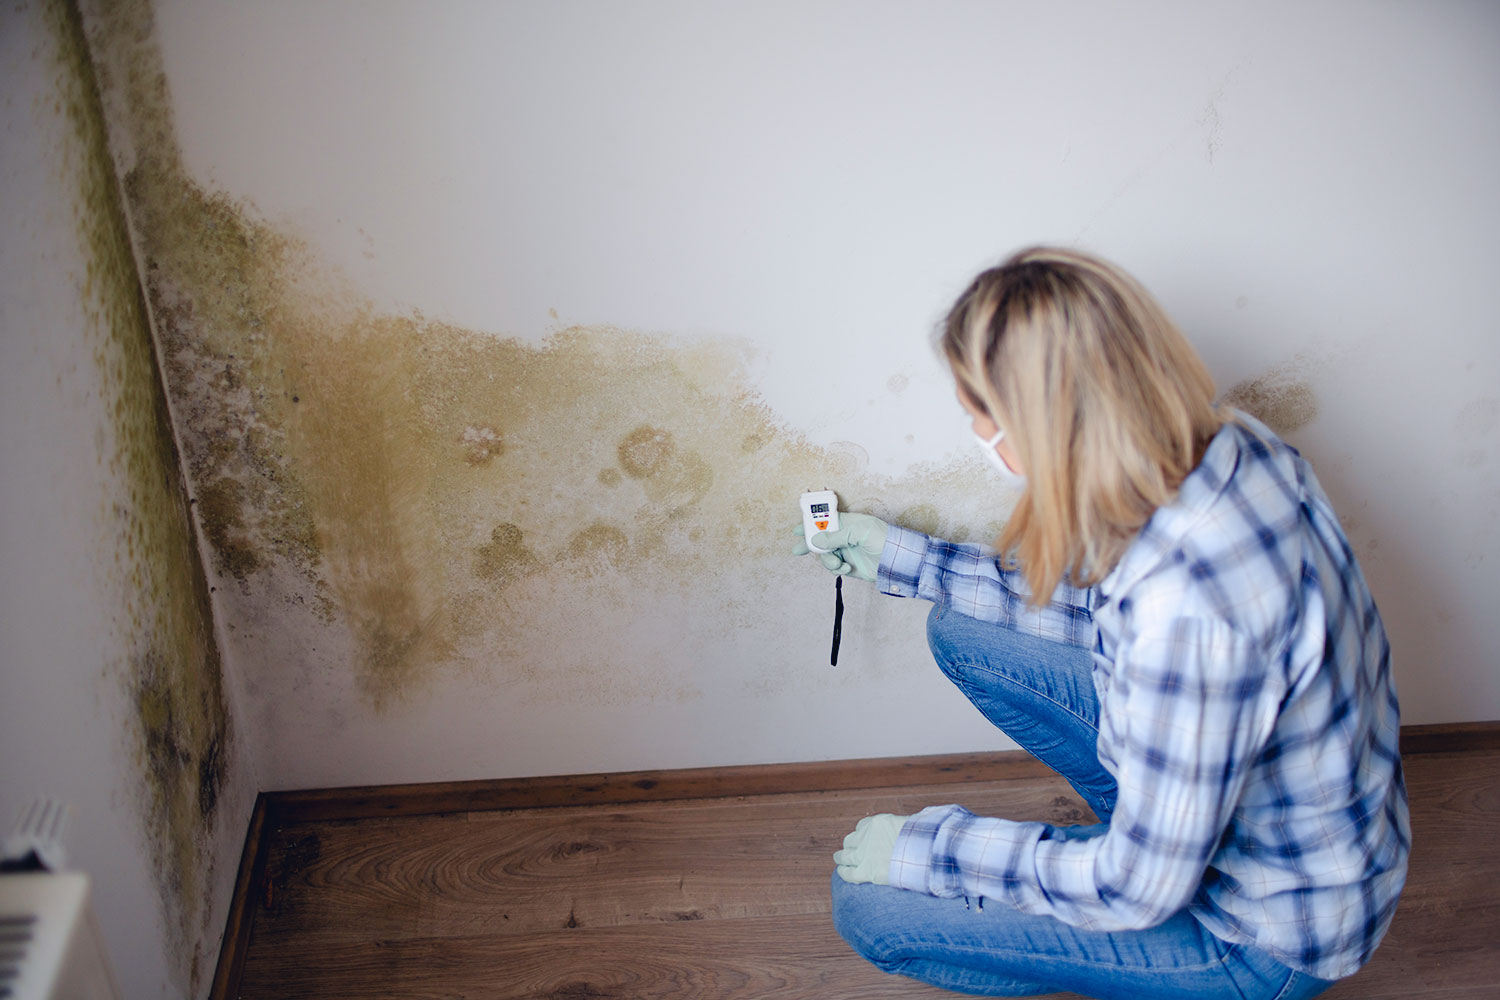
<point x="1102" y="398"/>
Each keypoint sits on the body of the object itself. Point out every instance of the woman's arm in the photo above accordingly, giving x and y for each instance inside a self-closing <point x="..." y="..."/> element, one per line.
<point x="970" y="579"/>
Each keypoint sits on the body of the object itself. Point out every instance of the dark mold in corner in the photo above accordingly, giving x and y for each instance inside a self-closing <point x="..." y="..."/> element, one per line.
<point x="170" y="659"/>
<point x="219" y="503"/>
<point x="403" y="474"/>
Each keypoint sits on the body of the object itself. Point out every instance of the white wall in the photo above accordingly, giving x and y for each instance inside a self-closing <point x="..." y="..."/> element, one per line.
<point x="1308" y="188"/>
<point x="78" y="602"/>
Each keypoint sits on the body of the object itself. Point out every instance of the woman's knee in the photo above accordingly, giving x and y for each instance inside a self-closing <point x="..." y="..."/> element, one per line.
<point x="969" y="652"/>
<point x="951" y="640"/>
<point x="864" y="918"/>
<point x="979" y="653"/>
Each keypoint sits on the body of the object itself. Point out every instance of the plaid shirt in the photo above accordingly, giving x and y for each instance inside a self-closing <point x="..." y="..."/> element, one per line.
<point x="1247" y="713"/>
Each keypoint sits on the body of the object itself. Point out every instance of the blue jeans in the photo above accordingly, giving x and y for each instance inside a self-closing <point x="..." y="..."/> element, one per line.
<point x="1041" y="694"/>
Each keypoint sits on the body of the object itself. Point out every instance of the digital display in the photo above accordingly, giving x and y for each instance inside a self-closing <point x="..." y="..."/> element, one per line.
<point x="819" y="508"/>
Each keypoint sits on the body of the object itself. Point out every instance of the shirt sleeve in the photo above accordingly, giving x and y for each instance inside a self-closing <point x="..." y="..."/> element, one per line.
<point x="971" y="580"/>
<point x="1188" y="711"/>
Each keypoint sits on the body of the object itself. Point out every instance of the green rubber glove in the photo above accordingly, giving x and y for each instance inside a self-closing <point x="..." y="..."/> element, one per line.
<point x="866" y="856"/>
<point x="856" y="545"/>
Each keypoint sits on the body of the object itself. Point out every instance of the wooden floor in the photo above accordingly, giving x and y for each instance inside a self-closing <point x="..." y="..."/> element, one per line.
<point x="727" y="897"/>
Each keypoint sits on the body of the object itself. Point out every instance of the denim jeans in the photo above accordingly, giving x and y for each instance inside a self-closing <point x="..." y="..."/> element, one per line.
<point x="1041" y="694"/>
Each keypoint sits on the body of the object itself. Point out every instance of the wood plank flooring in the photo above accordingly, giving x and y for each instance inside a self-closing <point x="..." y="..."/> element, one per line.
<point x="727" y="897"/>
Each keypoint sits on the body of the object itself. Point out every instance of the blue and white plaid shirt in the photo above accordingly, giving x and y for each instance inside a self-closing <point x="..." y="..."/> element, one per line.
<point x="1247" y="713"/>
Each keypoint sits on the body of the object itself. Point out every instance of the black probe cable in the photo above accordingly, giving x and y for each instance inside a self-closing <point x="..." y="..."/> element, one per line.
<point x="838" y="618"/>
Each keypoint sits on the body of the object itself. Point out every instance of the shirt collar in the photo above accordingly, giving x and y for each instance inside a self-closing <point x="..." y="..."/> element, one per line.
<point x="1171" y="522"/>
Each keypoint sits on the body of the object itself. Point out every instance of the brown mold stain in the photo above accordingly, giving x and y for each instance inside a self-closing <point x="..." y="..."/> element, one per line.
<point x="170" y="664"/>
<point x="505" y="557"/>
<point x="219" y="505"/>
<point x="286" y="874"/>
<point x="645" y="450"/>
<point x="756" y="440"/>
<point x="921" y="517"/>
<point x="1282" y="398"/>
<point x="598" y="543"/>
<point x="443" y="490"/>
<point x="481" y="444"/>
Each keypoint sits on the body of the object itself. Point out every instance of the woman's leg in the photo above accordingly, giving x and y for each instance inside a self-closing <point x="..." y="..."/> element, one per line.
<point x="1041" y="694"/>
<point x="1038" y="692"/>
<point x="998" y="951"/>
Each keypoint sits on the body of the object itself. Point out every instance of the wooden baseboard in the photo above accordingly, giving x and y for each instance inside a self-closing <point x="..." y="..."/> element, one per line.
<point x="1451" y="737"/>
<point x="647" y="786"/>
<point x="612" y="788"/>
<point x="276" y="809"/>
<point x="247" y="889"/>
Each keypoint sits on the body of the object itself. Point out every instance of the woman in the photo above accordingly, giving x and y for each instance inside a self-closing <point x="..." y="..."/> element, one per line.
<point x="1202" y="660"/>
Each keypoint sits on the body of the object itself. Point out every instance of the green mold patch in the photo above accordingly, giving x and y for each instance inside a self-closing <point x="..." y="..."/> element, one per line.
<point x="520" y="510"/>
<point x="170" y="663"/>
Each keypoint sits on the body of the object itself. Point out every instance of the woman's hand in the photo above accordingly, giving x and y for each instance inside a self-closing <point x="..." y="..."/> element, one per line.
<point x="866" y="856"/>
<point x="854" y="549"/>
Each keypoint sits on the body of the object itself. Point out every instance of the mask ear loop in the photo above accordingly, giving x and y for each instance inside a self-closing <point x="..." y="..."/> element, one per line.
<point x="838" y="619"/>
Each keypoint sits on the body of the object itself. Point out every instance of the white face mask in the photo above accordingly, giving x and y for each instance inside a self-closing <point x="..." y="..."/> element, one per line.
<point x="1011" y="477"/>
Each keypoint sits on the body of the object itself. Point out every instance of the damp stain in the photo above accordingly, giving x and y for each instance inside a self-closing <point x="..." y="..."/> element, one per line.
<point x="847" y="459"/>
<point x="598" y="544"/>
<point x="438" y="491"/>
<point x="505" y="557"/>
<point x="481" y="444"/>
<point x="673" y="479"/>
<point x="287" y="873"/>
<point x="1282" y="398"/>
<point x="922" y="517"/>
<point x="170" y="670"/>
<point x="219" y="504"/>
<point x="645" y="451"/>
<point x="756" y="440"/>
<point x="1478" y="418"/>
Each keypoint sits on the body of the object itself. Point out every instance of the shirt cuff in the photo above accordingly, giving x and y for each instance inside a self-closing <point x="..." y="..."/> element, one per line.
<point x="900" y="571"/>
<point x="914" y="863"/>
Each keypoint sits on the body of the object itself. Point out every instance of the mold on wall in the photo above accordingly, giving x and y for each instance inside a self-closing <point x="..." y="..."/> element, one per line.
<point x="437" y="495"/>
<point x="1282" y="398"/>
<point x="179" y="730"/>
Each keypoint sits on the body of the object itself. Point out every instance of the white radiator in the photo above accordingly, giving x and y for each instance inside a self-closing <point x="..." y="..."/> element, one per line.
<point x="50" y="945"/>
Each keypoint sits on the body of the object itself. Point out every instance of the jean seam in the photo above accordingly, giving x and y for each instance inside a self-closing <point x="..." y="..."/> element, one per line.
<point x="1230" y="951"/>
<point x="1286" y="987"/>
<point x="1015" y="683"/>
<point x="954" y="949"/>
<point x="905" y="967"/>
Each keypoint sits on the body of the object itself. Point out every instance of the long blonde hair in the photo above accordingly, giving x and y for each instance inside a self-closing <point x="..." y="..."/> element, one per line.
<point x="1103" y="399"/>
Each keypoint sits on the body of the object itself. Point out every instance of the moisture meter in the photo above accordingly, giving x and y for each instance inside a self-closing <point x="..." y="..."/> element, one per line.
<point x="820" y="512"/>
